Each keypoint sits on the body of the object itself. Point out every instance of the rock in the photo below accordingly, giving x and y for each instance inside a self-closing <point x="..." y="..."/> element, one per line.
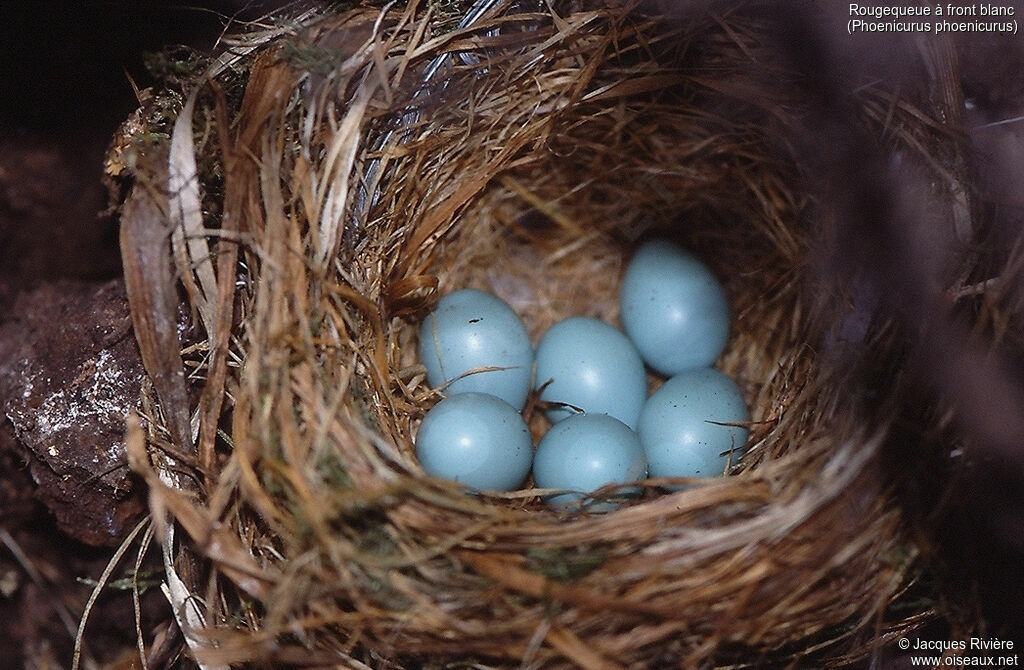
<point x="70" y="371"/>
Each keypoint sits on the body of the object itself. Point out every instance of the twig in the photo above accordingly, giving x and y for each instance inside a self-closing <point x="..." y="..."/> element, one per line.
<point x="100" y="583"/>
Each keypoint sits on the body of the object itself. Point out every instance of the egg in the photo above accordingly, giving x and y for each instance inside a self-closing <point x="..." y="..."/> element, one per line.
<point x="590" y="365"/>
<point x="472" y="329"/>
<point x="475" y="439"/>
<point x="585" y="452"/>
<point x="680" y="425"/>
<point x="673" y="308"/>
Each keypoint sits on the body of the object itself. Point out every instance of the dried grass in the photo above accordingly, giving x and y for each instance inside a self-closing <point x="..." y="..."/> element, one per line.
<point x="348" y="196"/>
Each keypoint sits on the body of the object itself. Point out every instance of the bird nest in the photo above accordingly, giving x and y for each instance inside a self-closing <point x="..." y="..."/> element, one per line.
<point x="290" y="216"/>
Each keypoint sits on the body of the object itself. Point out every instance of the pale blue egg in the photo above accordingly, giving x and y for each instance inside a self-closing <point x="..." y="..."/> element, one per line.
<point x="475" y="439"/>
<point x="673" y="308"/>
<point x="680" y="426"/>
<point x="472" y="329"/>
<point x="593" y="367"/>
<point x="584" y="453"/>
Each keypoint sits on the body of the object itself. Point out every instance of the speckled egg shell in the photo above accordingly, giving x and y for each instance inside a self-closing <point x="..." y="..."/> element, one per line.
<point x="680" y="426"/>
<point x="475" y="439"/>
<point x="584" y="453"/>
<point x="589" y="364"/>
<point x="673" y="309"/>
<point x="472" y="329"/>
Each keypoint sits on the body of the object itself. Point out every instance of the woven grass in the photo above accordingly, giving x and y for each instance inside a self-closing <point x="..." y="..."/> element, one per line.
<point x="341" y="190"/>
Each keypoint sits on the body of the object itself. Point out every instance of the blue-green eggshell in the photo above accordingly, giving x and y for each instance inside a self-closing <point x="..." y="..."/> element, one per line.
<point x="474" y="329"/>
<point x="591" y="366"/>
<point x="584" y="453"/>
<point x="475" y="439"/>
<point x="673" y="308"/>
<point x="675" y="426"/>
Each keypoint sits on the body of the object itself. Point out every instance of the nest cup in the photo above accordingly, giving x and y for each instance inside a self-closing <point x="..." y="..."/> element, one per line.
<point x="326" y="180"/>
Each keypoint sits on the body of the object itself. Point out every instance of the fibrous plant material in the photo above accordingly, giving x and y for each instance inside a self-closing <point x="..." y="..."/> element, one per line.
<point x="334" y="174"/>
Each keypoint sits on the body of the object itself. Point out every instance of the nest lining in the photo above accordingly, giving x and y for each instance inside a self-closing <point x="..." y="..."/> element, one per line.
<point x="359" y="197"/>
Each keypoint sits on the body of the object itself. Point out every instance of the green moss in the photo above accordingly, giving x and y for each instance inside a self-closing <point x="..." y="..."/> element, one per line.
<point x="449" y="13"/>
<point x="332" y="470"/>
<point x="564" y="564"/>
<point x="175" y="67"/>
<point x="312" y="58"/>
<point x="144" y="580"/>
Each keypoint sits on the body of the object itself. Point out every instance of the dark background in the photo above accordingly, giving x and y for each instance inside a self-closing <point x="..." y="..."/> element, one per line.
<point x="65" y="85"/>
<point x="66" y="64"/>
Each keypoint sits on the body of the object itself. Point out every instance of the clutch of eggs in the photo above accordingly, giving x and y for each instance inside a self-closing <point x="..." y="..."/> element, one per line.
<point x="591" y="381"/>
